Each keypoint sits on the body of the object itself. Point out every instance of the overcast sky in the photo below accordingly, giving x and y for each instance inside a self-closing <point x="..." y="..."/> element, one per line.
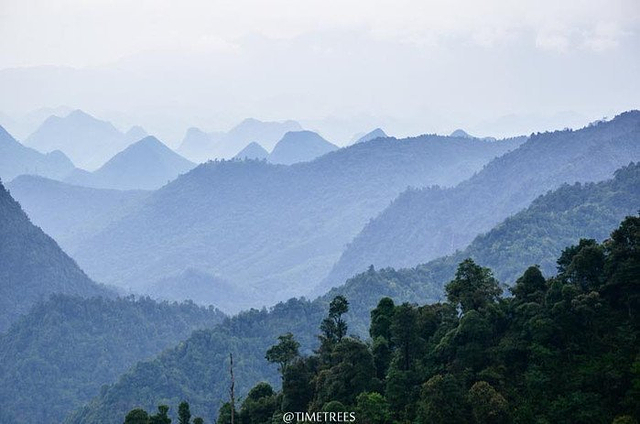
<point x="494" y="67"/>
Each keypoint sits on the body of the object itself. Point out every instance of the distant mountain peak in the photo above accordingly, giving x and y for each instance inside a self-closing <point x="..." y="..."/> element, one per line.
<point x="372" y="135"/>
<point x="300" y="146"/>
<point x="253" y="150"/>
<point x="460" y="133"/>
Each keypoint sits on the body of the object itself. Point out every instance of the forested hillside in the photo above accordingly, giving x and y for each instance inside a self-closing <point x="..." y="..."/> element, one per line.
<point x="32" y="265"/>
<point x="272" y="230"/>
<point x="546" y="340"/>
<point x="71" y="213"/>
<point x="56" y="358"/>
<point x="561" y="350"/>
<point x="538" y="234"/>
<point x="424" y="224"/>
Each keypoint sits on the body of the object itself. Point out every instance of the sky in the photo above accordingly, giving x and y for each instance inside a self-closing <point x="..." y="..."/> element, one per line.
<point x="492" y="67"/>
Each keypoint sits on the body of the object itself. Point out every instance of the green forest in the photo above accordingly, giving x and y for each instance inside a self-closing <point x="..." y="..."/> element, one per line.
<point x="558" y="350"/>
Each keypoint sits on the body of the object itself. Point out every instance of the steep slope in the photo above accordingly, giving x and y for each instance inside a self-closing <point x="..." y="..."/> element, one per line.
<point x="300" y="146"/>
<point x="252" y="151"/>
<point x="372" y="135"/>
<point x="32" y="266"/>
<point x="89" y="142"/>
<point x="145" y="165"/>
<point x="423" y="224"/>
<point x="57" y="357"/>
<point x="273" y="230"/>
<point x="16" y="159"/>
<point x="72" y="213"/>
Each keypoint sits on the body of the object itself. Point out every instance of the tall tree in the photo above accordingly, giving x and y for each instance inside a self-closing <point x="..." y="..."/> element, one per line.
<point x="184" y="414"/>
<point x="284" y="352"/>
<point x="473" y="287"/>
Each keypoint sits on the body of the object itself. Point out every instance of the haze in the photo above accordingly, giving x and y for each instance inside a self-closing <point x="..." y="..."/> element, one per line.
<point x="338" y="67"/>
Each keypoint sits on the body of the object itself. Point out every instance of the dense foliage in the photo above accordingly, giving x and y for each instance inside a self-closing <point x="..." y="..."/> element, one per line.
<point x="32" y="266"/>
<point x="58" y="356"/>
<point x="559" y="350"/>
<point x="423" y="224"/>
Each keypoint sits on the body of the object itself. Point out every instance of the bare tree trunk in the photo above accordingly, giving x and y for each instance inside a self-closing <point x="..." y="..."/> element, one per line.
<point x="231" y="391"/>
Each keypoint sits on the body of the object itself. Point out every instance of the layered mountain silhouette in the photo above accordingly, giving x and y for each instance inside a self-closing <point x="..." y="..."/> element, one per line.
<point x="134" y="134"/>
<point x="372" y="135"/>
<point x="146" y="165"/>
<point x="273" y="230"/>
<point x="200" y="146"/>
<point x="89" y="142"/>
<point x="426" y="223"/>
<point x="300" y="146"/>
<point x="32" y="266"/>
<point x="252" y="151"/>
<point x="71" y="213"/>
<point x="16" y="159"/>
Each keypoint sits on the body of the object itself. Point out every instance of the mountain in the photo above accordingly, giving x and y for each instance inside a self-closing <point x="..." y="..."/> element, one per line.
<point x="199" y="146"/>
<point x="145" y="165"/>
<point x="32" y="266"/>
<point x="300" y="146"/>
<point x="461" y="133"/>
<point x="16" y="159"/>
<point x="252" y="151"/>
<point x="59" y="355"/>
<point x="266" y="133"/>
<point x="426" y="223"/>
<point x="204" y="288"/>
<point x="71" y="213"/>
<point x="273" y="230"/>
<point x="537" y="234"/>
<point x="22" y="126"/>
<point x="134" y="134"/>
<point x="377" y="133"/>
<point x="89" y="142"/>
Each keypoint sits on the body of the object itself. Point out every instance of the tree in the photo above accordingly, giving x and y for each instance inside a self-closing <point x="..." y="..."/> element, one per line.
<point x="161" y="417"/>
<point x="372" y="408"/>
<point x="259" y="406"/>
<point x="488" y="406"/>
<point x="531" y="286"/>
<point x="198" y="420"/>
<point x="184" y="414"/>
<point x="224" y="414"/>
<point x="298" y="388"/>
<point x="404" y="334"/>
<point x="473" y="287"/>
<point x="137" y="416"/>
<point x="284" y="352"/>
<point x="334" y="327"/>
<point x="381" y="319"/>
<point x="442" y="401"/>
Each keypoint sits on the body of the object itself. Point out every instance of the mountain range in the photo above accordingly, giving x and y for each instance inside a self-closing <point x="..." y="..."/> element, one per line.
<point x="274" y="230"/>
<point x="372" y="135"/>
<point x="422" y="224"/>
<point x="88" y="141"/>
<point x="147" y="164"/>
<point x="16" y="159"/>
<point x="200" y="146"/>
